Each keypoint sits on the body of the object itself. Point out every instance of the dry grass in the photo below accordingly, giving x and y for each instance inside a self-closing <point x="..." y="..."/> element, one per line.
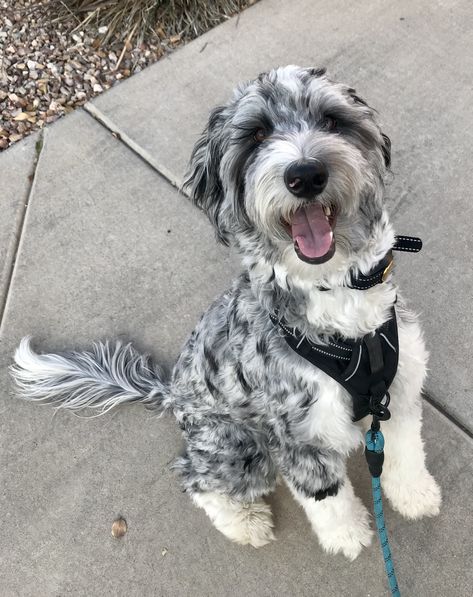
<point x="142" y="20"/>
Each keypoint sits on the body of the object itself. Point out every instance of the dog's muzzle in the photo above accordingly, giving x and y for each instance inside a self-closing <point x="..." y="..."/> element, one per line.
<point x="311" y="225"/>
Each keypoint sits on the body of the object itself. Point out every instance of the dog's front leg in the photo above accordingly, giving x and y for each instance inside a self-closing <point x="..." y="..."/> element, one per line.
<point x="341" y="521"/>
<point x="409" y="486"/>
<point x="319" y="482"/>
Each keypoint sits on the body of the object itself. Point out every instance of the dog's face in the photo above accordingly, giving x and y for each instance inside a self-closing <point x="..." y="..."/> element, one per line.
<point x="295" y="160"/>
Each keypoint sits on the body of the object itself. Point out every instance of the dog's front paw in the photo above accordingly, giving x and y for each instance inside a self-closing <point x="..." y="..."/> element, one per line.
<point x="418" y="498"/>
<point x="348" y="537"/>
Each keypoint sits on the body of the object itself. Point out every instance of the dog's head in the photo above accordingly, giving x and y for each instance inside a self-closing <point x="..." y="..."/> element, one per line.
<point x="294" y="160"/>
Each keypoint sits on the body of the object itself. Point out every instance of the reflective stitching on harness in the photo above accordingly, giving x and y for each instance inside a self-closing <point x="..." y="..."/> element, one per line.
<point x="411" y="238"/>
<point x="288" y="331"/>
<point x="328" y="354"/>
<point x="383" y="336"/>
<point x="340" y="347"/>
<point x="311" y="345"/>
<point x="357" y="365"/>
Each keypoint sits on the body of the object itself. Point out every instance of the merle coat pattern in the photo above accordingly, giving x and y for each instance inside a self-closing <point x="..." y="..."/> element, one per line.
<point x="251" y="409"/>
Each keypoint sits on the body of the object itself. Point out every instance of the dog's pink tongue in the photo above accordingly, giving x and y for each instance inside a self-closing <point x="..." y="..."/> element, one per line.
<point x="312" y="231"/>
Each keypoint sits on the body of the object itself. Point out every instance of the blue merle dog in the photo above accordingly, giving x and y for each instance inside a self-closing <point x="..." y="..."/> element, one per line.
<point x="290" y="172"/>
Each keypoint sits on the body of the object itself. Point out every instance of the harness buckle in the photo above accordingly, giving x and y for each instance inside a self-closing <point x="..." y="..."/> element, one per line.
<point x="379" y="407"/>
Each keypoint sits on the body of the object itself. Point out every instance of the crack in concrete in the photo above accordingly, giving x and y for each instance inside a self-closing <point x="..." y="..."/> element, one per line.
<point x="435" y="404"/>
<point x="20" y="226"/>
<point x="142" y="153"/>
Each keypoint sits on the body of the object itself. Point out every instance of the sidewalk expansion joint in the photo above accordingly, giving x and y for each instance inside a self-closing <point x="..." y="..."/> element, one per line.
<point x="142" y="153"/>
<point x="21" y="224"/>
<point x="447" y="415"/>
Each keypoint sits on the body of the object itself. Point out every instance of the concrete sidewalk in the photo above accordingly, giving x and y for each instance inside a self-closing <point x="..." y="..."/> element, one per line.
<point x="96" y="242"/>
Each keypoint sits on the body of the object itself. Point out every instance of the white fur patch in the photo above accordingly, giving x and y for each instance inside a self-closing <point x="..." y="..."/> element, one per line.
<point x="245" y="523"/>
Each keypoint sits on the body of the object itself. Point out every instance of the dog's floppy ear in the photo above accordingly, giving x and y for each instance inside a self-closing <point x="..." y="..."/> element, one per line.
<point x="386" y="143"/>
<point x="356" y="98"/>
<point x="317" y="71"/>
<point x="386" y="149"/>
<point x="202" y="178"/>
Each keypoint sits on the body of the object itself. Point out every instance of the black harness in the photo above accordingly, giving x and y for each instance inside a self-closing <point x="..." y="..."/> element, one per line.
<point x="365" y="367"/>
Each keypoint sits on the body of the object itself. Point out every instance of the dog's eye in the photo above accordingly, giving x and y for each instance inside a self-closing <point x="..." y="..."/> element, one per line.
<point x="260" y="135"/>
<point x="329" y="123"/>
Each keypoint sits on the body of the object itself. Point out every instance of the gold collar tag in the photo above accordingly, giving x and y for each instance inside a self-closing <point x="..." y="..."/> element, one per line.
<point x="387" y="270"/>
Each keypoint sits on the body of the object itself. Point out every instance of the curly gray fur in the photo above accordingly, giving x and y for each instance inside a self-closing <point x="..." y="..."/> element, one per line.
<point x="242" y="398"/>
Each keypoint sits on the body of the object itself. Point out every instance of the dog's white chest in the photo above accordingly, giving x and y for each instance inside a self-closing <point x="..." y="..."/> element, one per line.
<point x="349" y="312"/>
<point x="329" y="419"/>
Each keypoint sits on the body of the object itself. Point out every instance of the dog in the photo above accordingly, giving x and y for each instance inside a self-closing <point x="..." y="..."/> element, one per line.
<point x="291" y="173"/>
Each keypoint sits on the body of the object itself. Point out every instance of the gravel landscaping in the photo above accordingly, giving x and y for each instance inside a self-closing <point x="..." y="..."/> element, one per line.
<point x="55" y="55"/>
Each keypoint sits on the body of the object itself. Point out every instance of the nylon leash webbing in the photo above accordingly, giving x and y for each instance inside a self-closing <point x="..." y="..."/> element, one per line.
<point x="374" y="453"/>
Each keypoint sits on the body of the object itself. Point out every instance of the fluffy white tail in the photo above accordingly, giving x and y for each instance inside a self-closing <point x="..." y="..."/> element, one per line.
<point x="108" y="375"/>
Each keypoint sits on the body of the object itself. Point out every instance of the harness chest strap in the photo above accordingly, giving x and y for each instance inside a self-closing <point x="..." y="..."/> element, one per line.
<point x="365" y="367"/>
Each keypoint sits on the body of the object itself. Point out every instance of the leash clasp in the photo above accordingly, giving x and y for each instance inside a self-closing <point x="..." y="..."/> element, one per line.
<point x="379" y="407"/>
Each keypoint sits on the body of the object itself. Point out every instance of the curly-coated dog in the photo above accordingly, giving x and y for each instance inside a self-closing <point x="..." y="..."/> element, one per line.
<point x="290" y="171"/>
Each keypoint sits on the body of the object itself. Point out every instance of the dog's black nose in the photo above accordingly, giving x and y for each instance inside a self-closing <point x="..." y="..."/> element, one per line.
<point x="306" y="179"/>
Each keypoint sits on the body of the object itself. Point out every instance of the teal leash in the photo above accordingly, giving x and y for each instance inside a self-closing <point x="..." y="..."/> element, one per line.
<point x="374" y="453"/>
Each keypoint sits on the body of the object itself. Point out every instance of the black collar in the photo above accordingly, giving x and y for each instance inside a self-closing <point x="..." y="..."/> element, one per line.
<point x="379" y="273"/>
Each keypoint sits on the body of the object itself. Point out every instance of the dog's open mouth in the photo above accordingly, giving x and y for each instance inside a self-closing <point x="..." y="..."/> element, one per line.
<point x="311" y="228"/>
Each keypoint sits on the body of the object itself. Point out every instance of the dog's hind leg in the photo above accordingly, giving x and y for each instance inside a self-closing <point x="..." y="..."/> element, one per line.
<point x="227" y="470"/>
<point x="247" y="523"/>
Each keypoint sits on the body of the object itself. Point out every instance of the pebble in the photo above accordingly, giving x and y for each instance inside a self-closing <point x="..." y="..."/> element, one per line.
<point x="47" y="69"/>
<point x="119" y="528"/>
